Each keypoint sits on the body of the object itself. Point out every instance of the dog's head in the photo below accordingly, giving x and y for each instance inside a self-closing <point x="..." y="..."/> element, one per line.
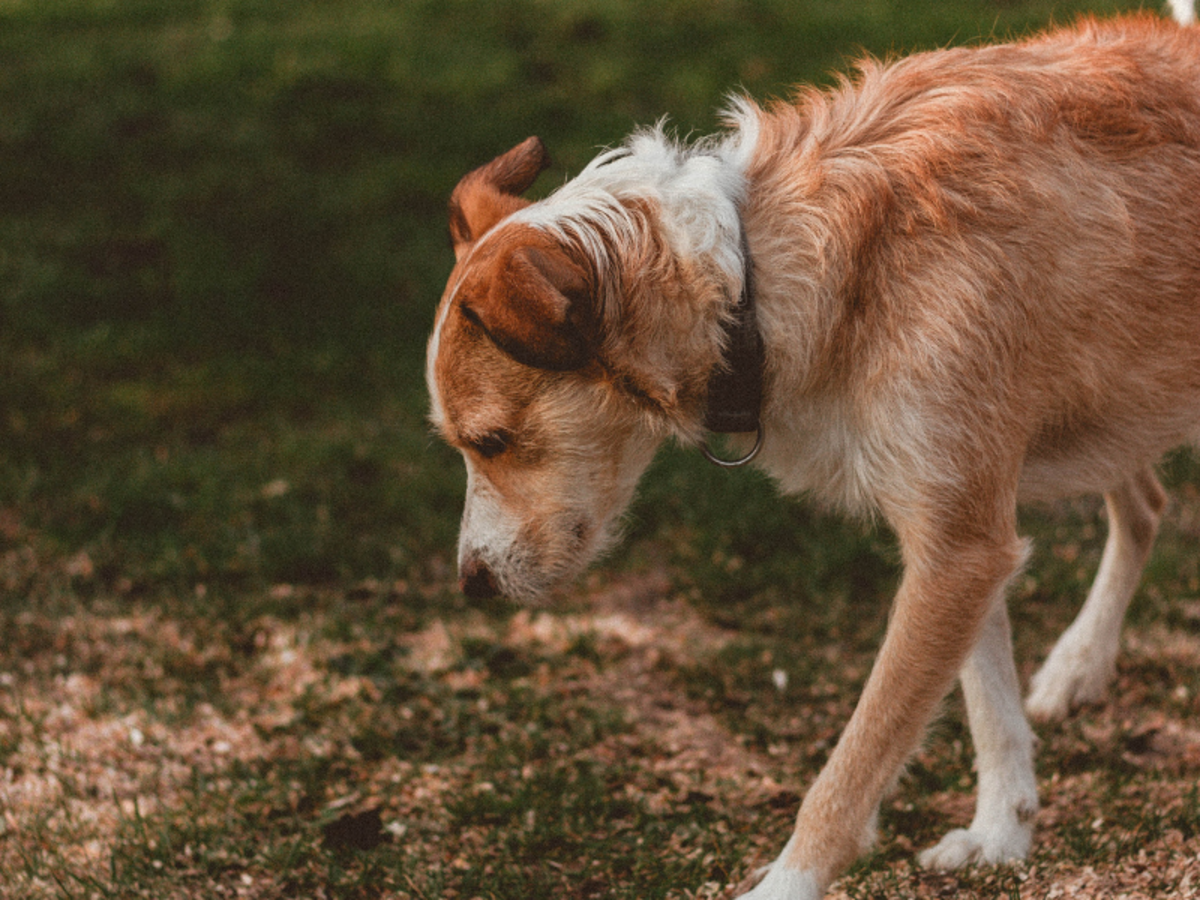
<point x="568" y="344"/>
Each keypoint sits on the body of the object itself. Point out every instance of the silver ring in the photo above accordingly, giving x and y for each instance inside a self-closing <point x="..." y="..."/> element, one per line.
<point x="734" y="463"/>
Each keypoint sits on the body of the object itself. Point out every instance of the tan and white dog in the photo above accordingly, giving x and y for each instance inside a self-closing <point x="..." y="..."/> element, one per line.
<point x="977" y="282"/>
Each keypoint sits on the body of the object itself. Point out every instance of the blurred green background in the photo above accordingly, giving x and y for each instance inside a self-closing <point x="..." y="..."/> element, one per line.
<point x="222" y="238"/>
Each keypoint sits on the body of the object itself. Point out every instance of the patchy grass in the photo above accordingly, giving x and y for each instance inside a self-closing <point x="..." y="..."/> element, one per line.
<point x="330" y="742"/>
<point x="233" y="662"/>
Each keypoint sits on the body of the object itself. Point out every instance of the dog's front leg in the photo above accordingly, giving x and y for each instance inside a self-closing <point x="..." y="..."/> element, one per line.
<point x="1002" y="829"/>
<point x="951" y="581"/>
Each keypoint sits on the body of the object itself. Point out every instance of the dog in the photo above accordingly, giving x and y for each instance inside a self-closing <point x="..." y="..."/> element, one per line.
<point x="975" y="276"/>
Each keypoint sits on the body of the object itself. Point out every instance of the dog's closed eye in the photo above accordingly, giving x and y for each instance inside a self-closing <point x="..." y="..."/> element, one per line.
<point x="471" y="316"/>
<point x="491" y="444"/>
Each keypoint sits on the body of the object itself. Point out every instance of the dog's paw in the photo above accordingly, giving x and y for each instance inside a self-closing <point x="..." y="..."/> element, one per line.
<point x="966" y="846"/>
<point x="957" y="849"/>
<point x="784" y="883"/>
<point x="1071" y="677"/>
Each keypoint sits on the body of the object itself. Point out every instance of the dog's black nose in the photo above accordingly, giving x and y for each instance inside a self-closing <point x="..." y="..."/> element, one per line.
<point x="476" y="580"/>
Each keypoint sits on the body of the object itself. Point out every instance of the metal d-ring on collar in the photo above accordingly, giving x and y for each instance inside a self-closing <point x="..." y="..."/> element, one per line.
<point x="735" y="388"/>
<point x="741" y="460"/>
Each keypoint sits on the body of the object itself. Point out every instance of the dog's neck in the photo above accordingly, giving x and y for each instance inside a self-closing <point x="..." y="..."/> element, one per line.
<point x="735" y="389"/>
<point x="649" y="199"/>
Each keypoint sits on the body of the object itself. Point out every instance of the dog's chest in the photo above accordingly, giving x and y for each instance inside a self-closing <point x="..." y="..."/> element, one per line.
<point x="842" y="459"/>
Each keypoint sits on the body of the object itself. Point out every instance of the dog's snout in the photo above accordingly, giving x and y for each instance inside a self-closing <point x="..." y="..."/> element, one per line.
<point x="476" y="580"/>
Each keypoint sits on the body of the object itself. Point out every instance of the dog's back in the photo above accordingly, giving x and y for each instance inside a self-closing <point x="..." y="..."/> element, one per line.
<point x="1009" y="222"/>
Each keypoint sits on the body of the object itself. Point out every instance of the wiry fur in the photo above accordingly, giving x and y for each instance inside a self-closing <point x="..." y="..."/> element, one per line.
<point x="978" y="281"/>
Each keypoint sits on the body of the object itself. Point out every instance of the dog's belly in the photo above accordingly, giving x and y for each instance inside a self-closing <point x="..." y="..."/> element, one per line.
<point x="1044" y="479"/>
<point x="1096" y="459"/>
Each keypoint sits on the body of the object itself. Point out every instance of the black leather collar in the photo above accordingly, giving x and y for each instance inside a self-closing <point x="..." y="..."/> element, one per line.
<point x="735" y="388"/>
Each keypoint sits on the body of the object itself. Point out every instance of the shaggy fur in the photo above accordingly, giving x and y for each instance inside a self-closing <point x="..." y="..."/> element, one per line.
<point x="978" y="282"/>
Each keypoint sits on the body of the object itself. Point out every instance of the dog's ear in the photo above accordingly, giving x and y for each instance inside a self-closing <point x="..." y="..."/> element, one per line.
<point x="540" y="309"/>
<point x="489" y="193"/>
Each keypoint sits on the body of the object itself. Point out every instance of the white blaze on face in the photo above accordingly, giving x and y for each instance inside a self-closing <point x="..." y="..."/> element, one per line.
<point x="436" y="413"/>
<point x="488" y="531"/>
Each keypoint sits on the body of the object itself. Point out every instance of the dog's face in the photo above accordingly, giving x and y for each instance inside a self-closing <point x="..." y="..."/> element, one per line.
<point x="552" y="450"/>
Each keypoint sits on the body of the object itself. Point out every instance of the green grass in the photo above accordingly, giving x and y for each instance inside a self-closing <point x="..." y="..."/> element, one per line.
<point x="234" y="663"/>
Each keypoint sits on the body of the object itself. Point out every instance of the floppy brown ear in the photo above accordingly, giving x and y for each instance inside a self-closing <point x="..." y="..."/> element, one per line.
<point x="489" y="193"/>
<point x="540" y="309"/>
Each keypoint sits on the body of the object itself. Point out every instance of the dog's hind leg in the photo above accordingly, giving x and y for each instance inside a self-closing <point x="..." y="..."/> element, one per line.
<point x="1003" y="825"/>
<point x="1083" y="661"/>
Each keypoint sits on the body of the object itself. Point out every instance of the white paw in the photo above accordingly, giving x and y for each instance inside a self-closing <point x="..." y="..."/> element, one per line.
<point x="957" y="849"/>
<point x="965" y="846"/>
<point x="1072" y="676"/>
<point x="784" y="883"/>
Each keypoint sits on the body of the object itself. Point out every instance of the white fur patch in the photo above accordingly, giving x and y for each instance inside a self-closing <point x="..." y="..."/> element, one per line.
<point x="784" y="883"/>
<point x="487" y="529"/>
<point x="696" y="191"/>
<point x="436" y="412"/>
<point x="1183" y="11"/>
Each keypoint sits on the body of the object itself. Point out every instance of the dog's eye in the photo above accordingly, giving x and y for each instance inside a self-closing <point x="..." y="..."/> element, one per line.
<point x="471" y="316"/>
<point x="490" y="445"/>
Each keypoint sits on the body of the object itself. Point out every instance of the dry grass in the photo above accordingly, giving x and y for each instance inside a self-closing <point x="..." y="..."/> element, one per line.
<point x="232" y="663"/>
<point x="619" y="745"/>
